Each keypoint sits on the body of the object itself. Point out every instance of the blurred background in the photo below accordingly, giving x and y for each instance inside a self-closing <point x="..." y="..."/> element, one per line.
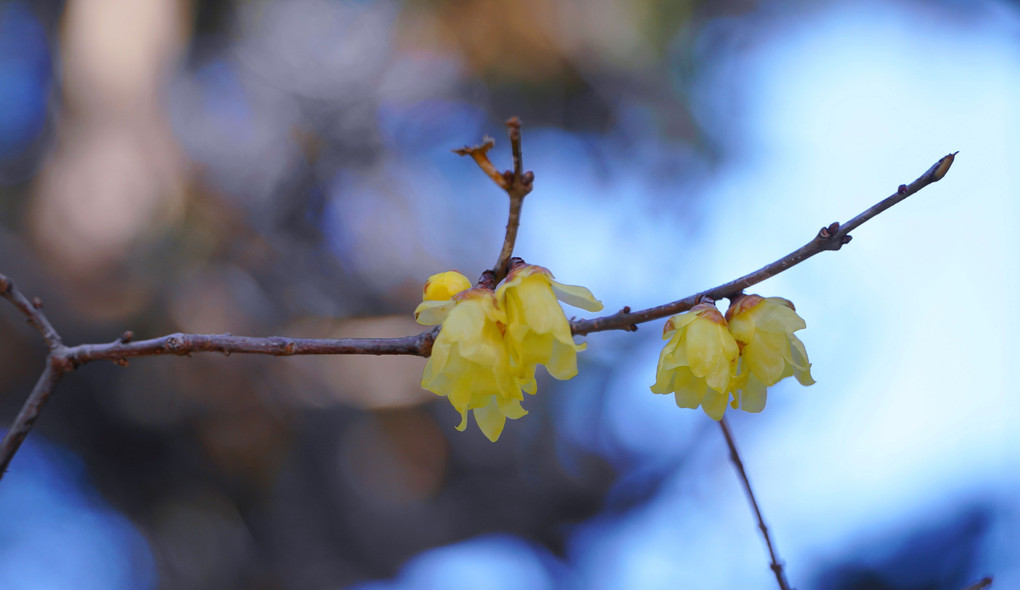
<point x="283" y="168"/>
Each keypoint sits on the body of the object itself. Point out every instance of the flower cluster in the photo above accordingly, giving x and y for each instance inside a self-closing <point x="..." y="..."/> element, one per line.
<point x="492" y="341"/>
<point x="711" y="360"/>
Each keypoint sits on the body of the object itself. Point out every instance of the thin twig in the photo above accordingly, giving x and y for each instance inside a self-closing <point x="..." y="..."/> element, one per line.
<point x="985" y="582"/>
<point x="44" y="387"/>
<point x="32" y="310"/>
<point x="520" y="185"/>
<point x="777" y="568"/>
<point x="516" y="183"/>
<point x="833" y="237"/>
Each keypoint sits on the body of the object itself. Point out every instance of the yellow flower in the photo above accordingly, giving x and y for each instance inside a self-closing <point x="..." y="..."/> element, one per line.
<point x="443" y="286"/>
<point x="537" y="329"/>
<point x="470" y="362"/>
<point x="769" y="352"/>
<point x="437" y="296"/>
<point x="699" y="362"/>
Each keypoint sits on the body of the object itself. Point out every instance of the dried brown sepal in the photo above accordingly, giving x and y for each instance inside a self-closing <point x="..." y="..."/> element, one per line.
<point x="479" y="153"/>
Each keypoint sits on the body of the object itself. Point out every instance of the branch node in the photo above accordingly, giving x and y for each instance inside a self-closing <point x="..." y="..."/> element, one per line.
<point x="827" y="232"/>
<point x="174" y="343"/>
<point x="37" y="302"/>
<point x="60" y="362"/>
<point x="487" y="280"/>
<point x="126" y="337"/>
<point x="626" y="309"/>
<point x="121" y="362"/>
<point x="902" y="189"/>
<point x="846" y="240"/>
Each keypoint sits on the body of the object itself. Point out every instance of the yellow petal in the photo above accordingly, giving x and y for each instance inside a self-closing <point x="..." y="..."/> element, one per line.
<point x="431" y="313"/>
<point x="463" y="421"/>
<point x="776" y="317"/>
<point x="714" y="404"/>
<point x="688" y="389"/>
<point x="490" y="420"/>
<point x="443" y="286"/>
<point x="753" y="395"/>
<point x="765" y="363"/>
<point x="576" y="296"/>
<point x="512" y="408"/>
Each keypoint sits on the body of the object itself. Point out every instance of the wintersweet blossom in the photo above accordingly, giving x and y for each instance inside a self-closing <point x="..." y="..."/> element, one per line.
<point x="470" y="362"/>
<point x="537" y="329"/>
<point x="699" y="362"/>
<point x="769" y="352"/>
<point x="443" y="286"/>
<point x="437" y="296"/>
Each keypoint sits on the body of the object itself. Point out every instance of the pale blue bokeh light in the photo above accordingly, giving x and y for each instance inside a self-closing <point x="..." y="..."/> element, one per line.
<point x="911" y="414"/>
<point x="49" y="509"/>
<point x="494" y="562"/>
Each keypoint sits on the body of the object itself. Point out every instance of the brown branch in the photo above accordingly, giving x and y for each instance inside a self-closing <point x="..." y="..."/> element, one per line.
<point x="32" y="310"/>
<point x="777" y="568"/>
<point x="516" y="183"/>
<point x="227" y="344"/>
<point x="63" y="359"/>
<point x="833" y="237"/>
<point x="41" y="393"/>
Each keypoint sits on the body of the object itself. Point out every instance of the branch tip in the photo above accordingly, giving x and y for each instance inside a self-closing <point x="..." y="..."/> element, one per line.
<point x="942" y="166"/>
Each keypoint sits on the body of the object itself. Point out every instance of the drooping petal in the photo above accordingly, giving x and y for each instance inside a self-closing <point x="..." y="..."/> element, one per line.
<point x="512" y="408"/>
<point x="802" y="368"/>
<point x="490" y="420"/>
<point x="432" y="313"/>
<point x="714" y="404"/>
<point x="576" y="296"/>
<point x="752" y="395"/>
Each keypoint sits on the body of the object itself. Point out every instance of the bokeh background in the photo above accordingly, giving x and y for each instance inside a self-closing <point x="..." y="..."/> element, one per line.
<point x="271" y="167"/>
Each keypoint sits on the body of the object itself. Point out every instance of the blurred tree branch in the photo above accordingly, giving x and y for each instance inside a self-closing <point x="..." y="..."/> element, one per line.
<point x="985" y="582"/>
<point x="776" y="566"/>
